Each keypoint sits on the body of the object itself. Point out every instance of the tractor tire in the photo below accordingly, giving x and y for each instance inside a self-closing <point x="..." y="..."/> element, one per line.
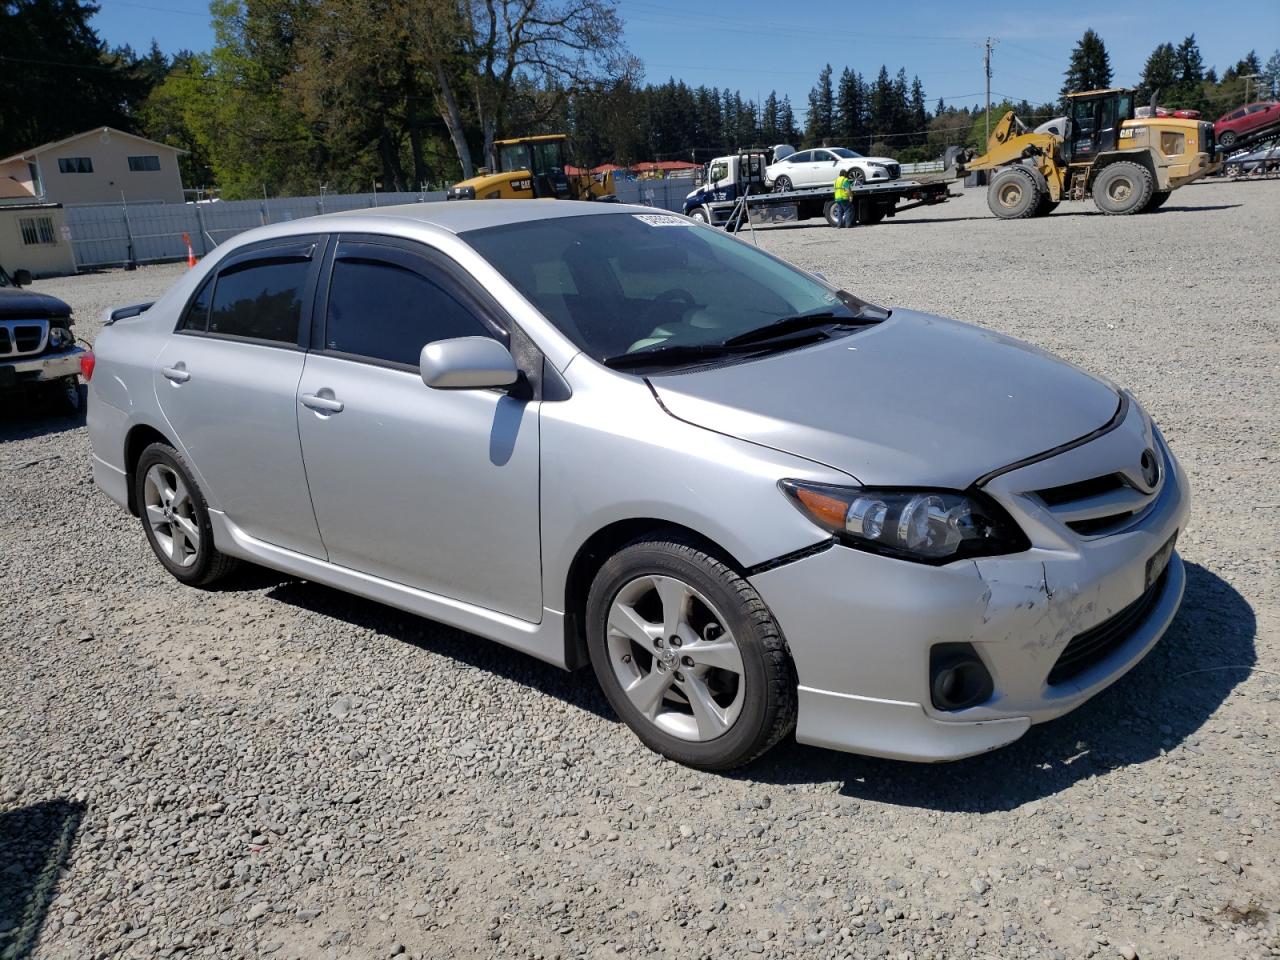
<point x="1123" y="188"/>
<point x="1158" y="197"/>
<point x="1013" y="194"/>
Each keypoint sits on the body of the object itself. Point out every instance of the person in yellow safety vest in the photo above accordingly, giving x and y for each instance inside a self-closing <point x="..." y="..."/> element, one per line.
<point x="842" y="212"/>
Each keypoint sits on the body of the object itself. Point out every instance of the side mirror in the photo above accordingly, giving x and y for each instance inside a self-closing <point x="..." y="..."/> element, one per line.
<point x="22" y="278"/>
<point x="467" y="363"/>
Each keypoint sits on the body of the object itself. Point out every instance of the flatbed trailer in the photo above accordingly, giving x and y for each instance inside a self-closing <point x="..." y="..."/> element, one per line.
<point x="872" y="203"/>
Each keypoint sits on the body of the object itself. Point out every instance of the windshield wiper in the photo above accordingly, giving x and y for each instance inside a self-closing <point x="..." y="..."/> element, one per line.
<point x="676" y="353"/>
<point x="787" y="326"/>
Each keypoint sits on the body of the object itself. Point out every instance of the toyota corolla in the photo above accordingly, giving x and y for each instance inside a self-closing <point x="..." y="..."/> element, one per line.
<point x="604" y="435"/>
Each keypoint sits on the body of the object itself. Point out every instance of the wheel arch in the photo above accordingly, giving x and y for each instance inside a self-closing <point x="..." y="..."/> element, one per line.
<point x="597" y="549"/>
<point x="139" y="437"/>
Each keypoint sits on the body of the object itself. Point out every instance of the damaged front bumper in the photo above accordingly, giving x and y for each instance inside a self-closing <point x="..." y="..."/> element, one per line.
<point x="861" y="628"/>
<point x="15" y="374"/>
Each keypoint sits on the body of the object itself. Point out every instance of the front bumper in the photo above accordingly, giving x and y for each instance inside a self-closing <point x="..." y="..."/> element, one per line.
<point x="49" y="366"/>
<point x="861" y="628"/>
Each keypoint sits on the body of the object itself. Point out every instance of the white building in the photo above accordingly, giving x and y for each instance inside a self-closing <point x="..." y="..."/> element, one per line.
<point x="103" y="165"/>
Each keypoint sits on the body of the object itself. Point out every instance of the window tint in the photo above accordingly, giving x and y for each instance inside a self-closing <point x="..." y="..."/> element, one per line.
<point x="261" y="299"/>
<point x="384" y="307"/>
<point x="139" y="164"/>
<point x="75" y="164"/>
<point x="197" y="315"/>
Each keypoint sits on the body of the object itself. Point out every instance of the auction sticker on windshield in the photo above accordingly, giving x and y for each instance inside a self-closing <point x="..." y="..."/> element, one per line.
<point x="662" y="220"/>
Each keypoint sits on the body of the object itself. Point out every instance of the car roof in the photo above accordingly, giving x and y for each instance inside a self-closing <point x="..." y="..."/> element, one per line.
<point x="461" y="216"/>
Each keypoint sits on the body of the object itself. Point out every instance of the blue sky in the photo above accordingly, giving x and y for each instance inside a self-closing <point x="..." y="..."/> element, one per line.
<point x="769" y="44"/>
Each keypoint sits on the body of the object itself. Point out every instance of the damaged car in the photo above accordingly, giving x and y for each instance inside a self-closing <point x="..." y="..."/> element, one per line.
<point x="752" y="503"/>
<point x="39" y="355"/>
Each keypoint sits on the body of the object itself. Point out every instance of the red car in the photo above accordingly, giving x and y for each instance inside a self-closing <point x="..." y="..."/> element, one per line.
<point x="1244" y="121"/>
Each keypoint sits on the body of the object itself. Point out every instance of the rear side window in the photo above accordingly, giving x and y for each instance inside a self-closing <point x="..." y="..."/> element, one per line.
<point x="386" y="304"/>
<point x="197" y="316"/>
<point x="260" y="300"/>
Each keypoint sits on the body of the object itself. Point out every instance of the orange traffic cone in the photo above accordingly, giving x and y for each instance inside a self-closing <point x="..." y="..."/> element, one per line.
<point x="191" y="254"/>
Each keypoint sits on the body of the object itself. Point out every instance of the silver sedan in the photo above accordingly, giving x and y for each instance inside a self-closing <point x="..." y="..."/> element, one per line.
<point x="604" y="435"/>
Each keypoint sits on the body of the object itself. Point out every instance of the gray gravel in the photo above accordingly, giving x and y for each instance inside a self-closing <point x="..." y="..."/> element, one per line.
<point x="275" y="769"/>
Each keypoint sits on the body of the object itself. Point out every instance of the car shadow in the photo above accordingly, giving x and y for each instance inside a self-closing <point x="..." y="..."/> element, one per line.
<point x="25" y="416"/>
<point x="35" y="845"/>
<point x="578" y="688"/>
<point x="1160" y="704"/>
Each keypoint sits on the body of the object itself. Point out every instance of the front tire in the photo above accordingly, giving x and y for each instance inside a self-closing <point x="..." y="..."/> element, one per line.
<point x="689" y="656"/>
<point x="1123" y="188"/>
<point x="699" y="214"/>
<point x="859" y="176"/>
<point x="1013" y="194"/>
<point x="175" y="518"/>
<point x="1228" y="139"/>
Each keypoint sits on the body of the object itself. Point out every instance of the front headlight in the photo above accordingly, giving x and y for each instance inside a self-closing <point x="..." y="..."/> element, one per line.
<point x="60" y="338"/>
<point x="927" y="526"/>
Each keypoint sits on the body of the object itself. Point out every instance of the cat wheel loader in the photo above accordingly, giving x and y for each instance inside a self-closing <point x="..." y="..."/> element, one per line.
<point x="1126" y="165"/>
<point x="531" y="167"/>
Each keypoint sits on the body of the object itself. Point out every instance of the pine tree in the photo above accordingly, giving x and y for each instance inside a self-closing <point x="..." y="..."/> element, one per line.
<point x="1160" y="73"/>
<point x="769" y="129"/>
<point x="1090" y="67"/>
<point x="919" y="113"/>
<point x="1272" y="71"/>
<point x="820" y="122"/>
<point x="850" y="107"/>
<point x="787" y="130"/>
<point x="1189" y="75"/>
<point x="882" y="106"/>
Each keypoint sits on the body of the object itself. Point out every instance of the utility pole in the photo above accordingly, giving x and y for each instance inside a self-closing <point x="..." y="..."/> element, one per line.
<point x="986" y="68"/>
<point x="1247" y="78"/>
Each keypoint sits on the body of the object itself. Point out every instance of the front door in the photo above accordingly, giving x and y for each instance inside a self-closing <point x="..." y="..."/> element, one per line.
<point x="227" y="383"/>
<point x="434" y="489"/>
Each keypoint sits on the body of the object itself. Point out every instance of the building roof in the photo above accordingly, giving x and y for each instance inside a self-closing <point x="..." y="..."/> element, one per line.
<point x="109" y="132"/>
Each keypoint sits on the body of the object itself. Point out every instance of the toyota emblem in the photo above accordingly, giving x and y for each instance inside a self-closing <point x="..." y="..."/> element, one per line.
<point x="1150" y="468"/>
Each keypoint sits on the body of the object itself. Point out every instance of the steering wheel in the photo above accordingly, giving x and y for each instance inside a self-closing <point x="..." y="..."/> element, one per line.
<point x="664" y="329"/>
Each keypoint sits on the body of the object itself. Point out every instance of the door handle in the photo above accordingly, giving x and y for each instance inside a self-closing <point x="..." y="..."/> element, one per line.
<point x="321" y="404"/>
<point x="177" y="373"/>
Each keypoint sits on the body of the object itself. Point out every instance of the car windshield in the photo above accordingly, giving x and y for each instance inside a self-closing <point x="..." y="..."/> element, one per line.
<point x="846" y="154"/>
<point x="620" y="283"/>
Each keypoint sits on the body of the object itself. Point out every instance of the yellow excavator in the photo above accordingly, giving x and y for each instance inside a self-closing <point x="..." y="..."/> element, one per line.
<point x="531" y="167"/>
<point x="1099" y="149"/>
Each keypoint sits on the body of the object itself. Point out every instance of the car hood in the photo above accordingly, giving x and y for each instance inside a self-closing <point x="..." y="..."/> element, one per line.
<point x="916" y="400"/>
<point x="880" y="160"/>
<point x="16" y="304"/>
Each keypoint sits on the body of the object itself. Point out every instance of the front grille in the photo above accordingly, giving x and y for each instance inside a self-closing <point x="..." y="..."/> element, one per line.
<point x="1096" y="506"/>
<point x="1096" y="643"/>
<point x="22" y="337"/>
<point x="895" y="171"/>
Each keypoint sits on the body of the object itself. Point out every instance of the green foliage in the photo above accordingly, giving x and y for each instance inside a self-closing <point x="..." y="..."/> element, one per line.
<point x="1090" y="66"/>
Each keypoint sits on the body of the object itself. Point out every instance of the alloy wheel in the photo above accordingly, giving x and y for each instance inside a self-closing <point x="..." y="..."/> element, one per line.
<point x="171" y="514"/>
<point x="675" y="659"/>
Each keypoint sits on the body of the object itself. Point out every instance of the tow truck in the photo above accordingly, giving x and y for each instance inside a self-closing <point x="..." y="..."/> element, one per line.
<point x="735" y="192"/>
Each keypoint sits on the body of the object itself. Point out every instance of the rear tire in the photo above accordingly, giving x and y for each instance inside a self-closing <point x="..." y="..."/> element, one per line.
<point x="175" y="518"/>
<point x="689" y="655"/>
<point x="782" y="185"/>
<point x="1227" y="139"/>
<point x="1013" y="194"/>
<point x="1123" y="188"/>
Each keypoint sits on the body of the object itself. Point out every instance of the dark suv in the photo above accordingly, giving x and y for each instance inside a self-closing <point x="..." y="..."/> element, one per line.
<point x="38" y="351"/>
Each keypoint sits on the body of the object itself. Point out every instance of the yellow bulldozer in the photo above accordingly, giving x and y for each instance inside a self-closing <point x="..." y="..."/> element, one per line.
<point x="1098" y="150"/>
<point x="530" y="167"/>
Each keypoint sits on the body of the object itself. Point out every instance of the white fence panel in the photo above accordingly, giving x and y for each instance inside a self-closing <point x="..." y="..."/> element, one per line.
<point x="116" y="234"/>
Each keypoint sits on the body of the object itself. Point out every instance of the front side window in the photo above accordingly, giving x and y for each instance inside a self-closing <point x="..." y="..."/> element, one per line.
<point x="144" y="164"/>
<point x="514" y="156"/>
<point x="719" y="171"/>
<point x="36" y="231"/>
<point x="547" y="158"/>
<point x="619" y="283"/>
<point x="386" y="304"/>
<point x="75" y="164"/>
<point x="260" y="300"/>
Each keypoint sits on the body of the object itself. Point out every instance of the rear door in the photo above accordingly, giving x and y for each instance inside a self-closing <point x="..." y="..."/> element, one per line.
<point x="227" y="383"/>
<point x="434" y="489"/>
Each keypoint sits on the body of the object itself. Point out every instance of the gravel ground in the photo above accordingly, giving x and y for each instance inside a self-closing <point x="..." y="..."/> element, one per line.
<point x="278" y="769"/>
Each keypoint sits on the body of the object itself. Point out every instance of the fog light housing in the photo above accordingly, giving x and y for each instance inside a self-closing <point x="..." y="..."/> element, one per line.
<point x="958" y="679"/>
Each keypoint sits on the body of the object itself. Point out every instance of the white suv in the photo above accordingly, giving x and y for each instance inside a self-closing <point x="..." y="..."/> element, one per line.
<point x="818" y="168"/>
